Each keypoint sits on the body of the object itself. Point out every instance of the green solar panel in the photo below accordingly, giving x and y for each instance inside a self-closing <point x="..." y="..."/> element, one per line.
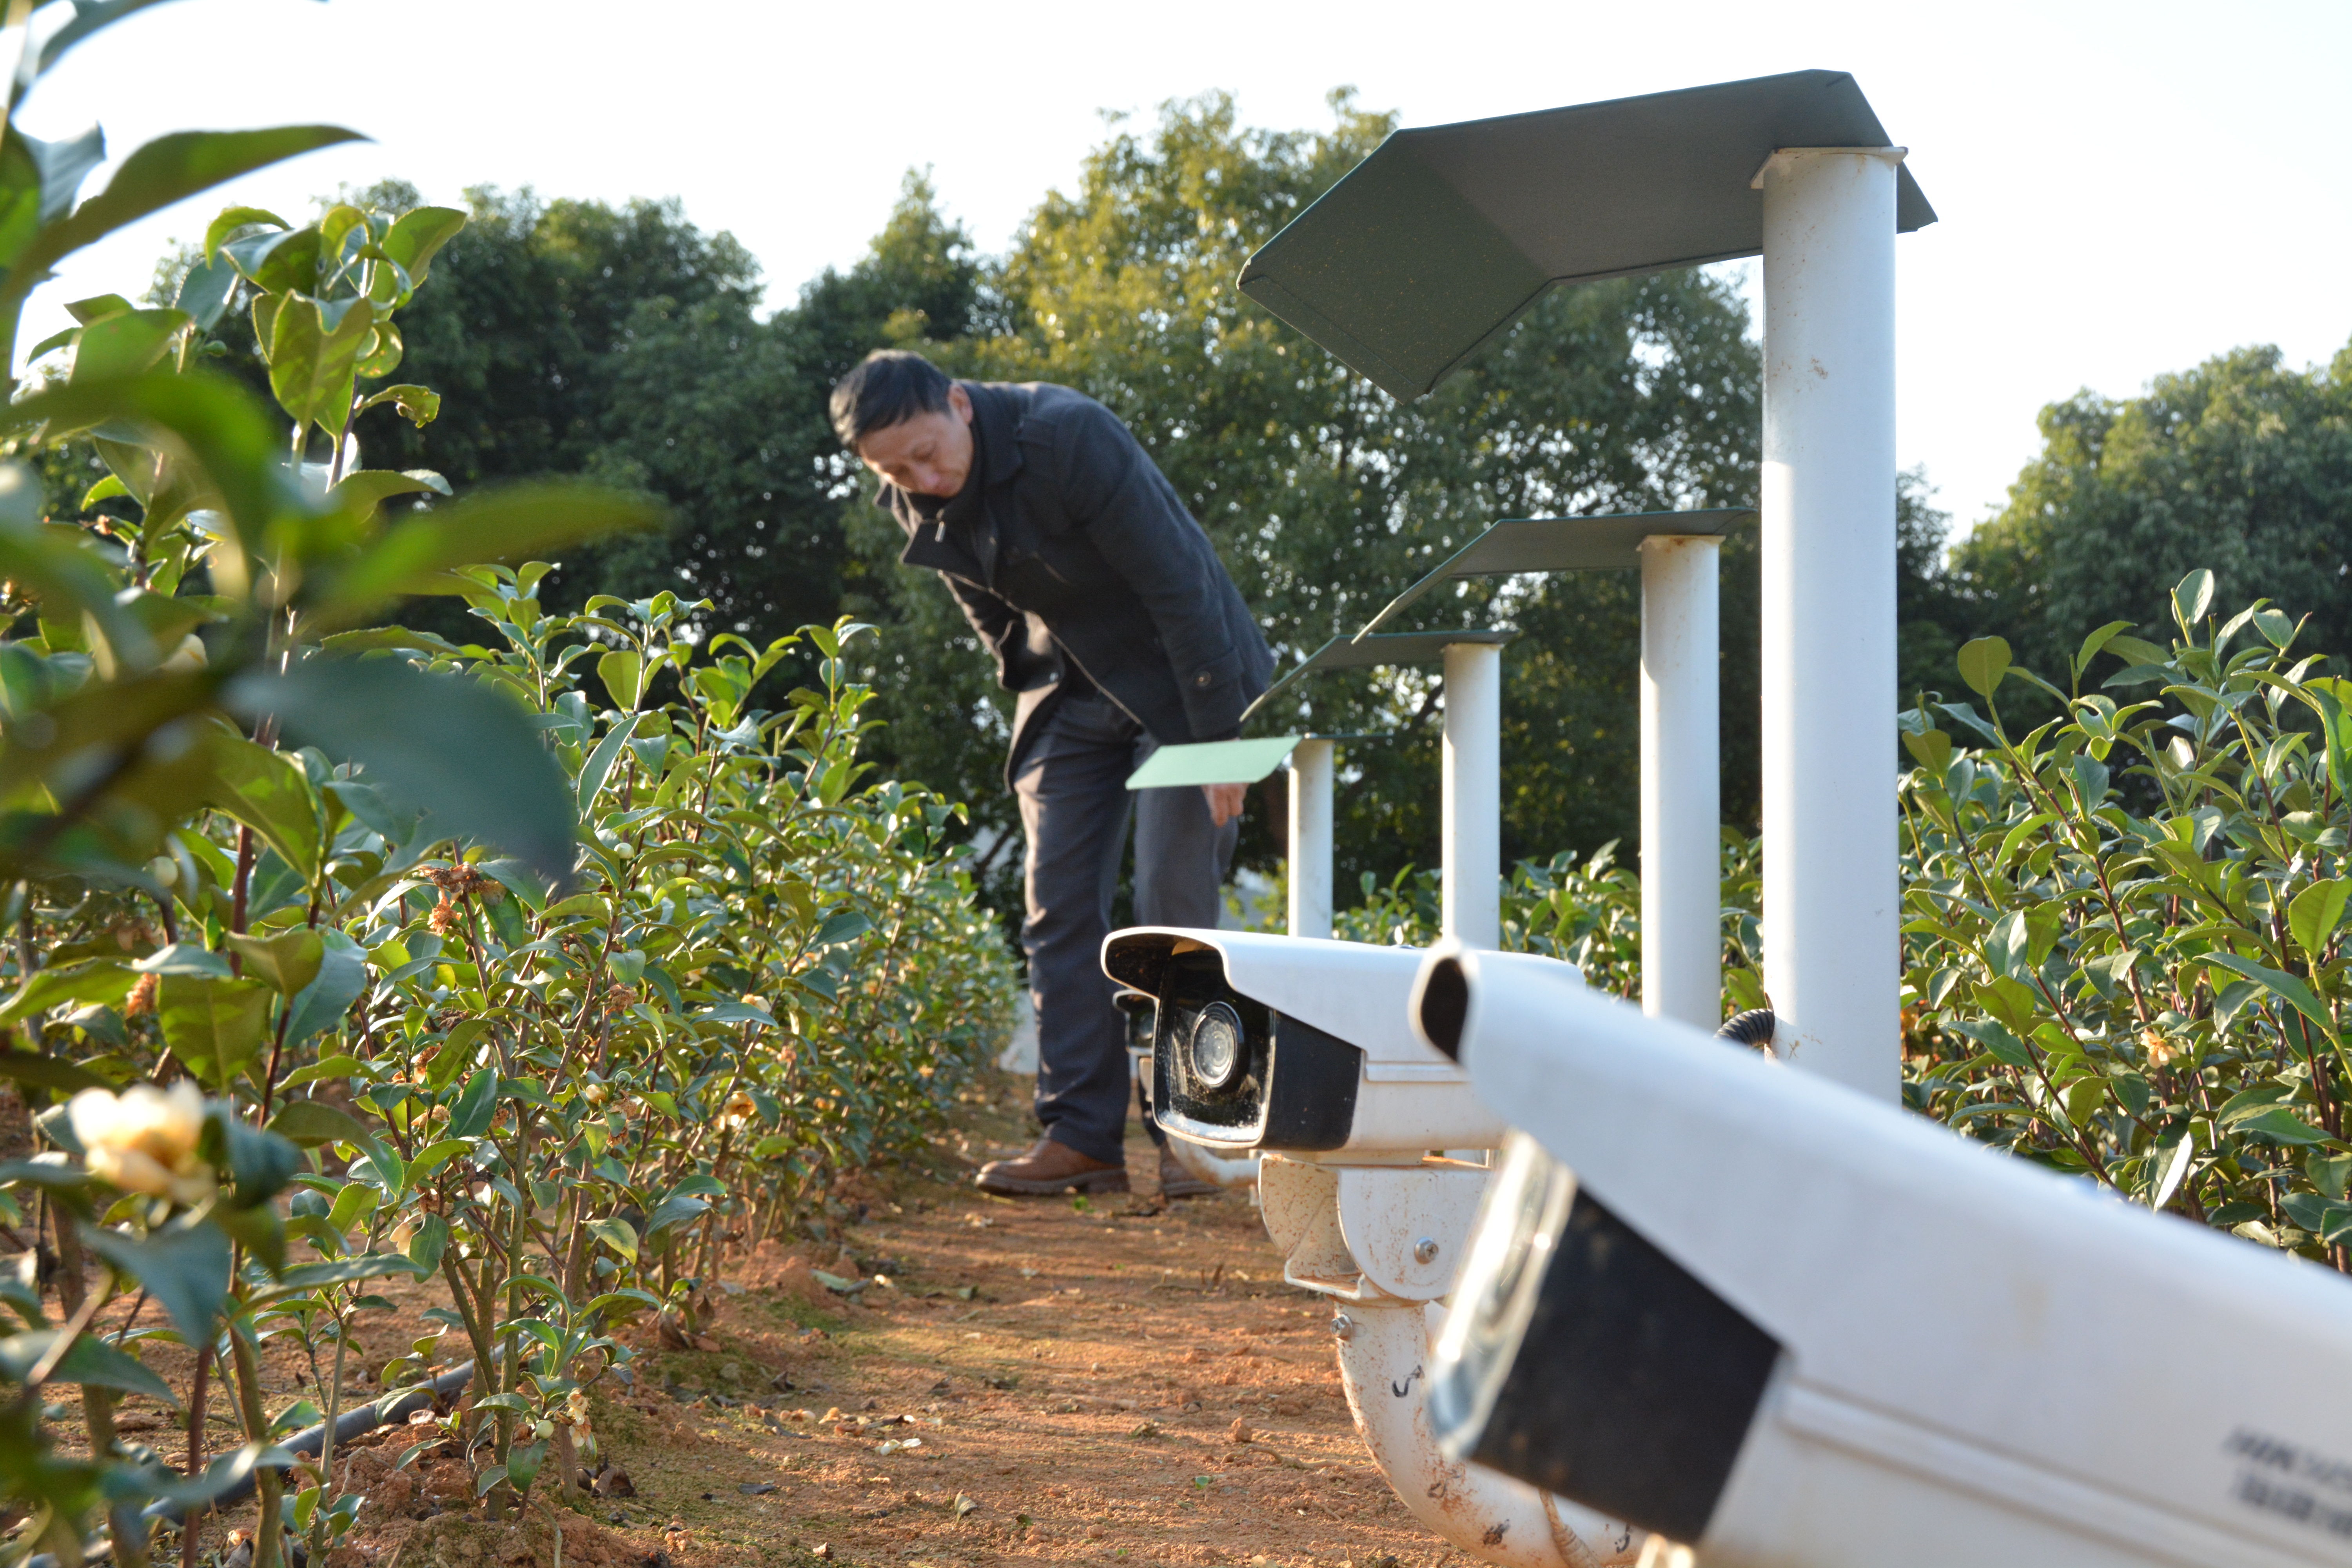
<point x="1446" y="234"/>
<point x="1212" y="762"/>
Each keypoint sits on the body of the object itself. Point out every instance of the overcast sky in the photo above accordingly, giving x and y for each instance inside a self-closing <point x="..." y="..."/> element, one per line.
<point x="2125" y="189"/>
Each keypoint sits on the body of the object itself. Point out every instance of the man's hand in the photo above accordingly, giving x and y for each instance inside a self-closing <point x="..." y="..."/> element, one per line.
<point x="1226" y="801"/>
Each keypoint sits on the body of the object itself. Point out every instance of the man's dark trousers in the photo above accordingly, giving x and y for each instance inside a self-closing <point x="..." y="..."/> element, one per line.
<point x="1071" y="780"/>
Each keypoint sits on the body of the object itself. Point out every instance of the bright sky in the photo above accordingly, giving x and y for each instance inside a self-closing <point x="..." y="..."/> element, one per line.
<point x="2125" y="188"/>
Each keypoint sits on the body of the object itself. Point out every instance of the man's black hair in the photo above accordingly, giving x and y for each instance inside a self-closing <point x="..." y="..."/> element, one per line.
<point x="888" y="387"/>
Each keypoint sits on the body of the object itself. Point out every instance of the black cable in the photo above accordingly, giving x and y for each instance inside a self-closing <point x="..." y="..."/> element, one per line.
<point x="1753" y="1027"/>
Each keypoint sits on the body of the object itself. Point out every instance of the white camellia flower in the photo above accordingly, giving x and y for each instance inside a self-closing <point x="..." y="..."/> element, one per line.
<point x="144" y="1138"/>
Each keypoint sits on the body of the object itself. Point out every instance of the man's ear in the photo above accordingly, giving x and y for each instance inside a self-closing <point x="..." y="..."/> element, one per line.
<point x="960" y="403"/>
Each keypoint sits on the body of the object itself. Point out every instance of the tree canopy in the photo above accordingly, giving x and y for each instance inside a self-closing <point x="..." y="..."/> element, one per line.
<point x="2241" y="465"/>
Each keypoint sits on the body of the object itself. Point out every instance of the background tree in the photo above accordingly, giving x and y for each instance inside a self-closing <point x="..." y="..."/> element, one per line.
<point x="2240" y="465"/>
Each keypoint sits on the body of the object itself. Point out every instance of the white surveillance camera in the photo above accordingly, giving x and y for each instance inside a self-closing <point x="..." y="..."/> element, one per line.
<point x="1293" y="1043"/>
<point x="1780" y="1322"/>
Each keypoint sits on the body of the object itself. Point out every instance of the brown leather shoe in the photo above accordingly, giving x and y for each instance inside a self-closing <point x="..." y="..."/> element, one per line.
<point x="1048" y="1168"/>
<point x="1176" y="1182"/>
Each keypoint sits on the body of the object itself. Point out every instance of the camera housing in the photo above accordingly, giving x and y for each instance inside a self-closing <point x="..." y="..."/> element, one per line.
<point x="1778" y="1320"/>
<point x="1293" y="1043"/>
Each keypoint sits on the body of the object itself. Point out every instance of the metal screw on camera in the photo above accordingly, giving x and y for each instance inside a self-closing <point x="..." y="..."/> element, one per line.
<point x="1426" y="1250"/>
<point x="1343" y="1327"/>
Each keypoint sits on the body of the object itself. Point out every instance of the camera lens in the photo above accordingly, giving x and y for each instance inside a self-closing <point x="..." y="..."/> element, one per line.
<point x="1215" y="1049"/>
<point x="1510" y="1249"/>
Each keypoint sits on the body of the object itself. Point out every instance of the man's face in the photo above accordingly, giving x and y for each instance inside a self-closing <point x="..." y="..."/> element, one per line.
<point x="929" y="454"/>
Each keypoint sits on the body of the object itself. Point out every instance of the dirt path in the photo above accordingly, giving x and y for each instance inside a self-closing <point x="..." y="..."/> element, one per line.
<point x="1081" y="1405"/>
<point x="1108" y="1381"/>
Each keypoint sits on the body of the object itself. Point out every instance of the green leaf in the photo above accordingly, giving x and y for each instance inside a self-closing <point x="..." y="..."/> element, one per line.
<point x="460" y="752"/>
<point x="185" y="1269"/>
<point x="600" y="767"/>
<point x="433" y="1156"/>
<point x="417" y="405"/>
<point x="269" y="793"/>
<point x="471" y="1116"/>
<point x="324" y="1067"/>
<point x="2190" y="599"/>
<point x="842" y="925"/>
<point x="260" y="1163"/>
<point x="419" y="554"/>
<point x="736" y="1013"/>
<point x="1983" y="662"/>
<point x="345" y="1270"/>
<point x="288" y="960"/>
<point x="2281" y="1125"/>
<point x="39" y="1174"/>
<point x="98" y="980"/>
<point x="2315" y="914"/>
<point x="2094" y="642"/>
<point x="622" y="672"/>
<point x="2285" y="987"/>
<point x="234" y="218"/>
<point x="92" y="1362"/>
<point x="2332" y="696"/>
<point x="314" y="347"/>
<point x="184" y="958"/>
<point x="125" y="345"/>
<point x="63" y="166"/>
<point x="90" y="17"/>
<point x="425" y="1247"/>
<point x="1931" y="748"/>
<point x="380" y="358"/>
<point x="2175" y="1168"/>
<point x="214" y="1026"/>
<point x="2004" y="1045"/>
<point x="672" y="1212"/>
<point x="216" y="421"/>
<point x="343" y="976"/>
<point x="616" y="1233"/>
<point x="260" y="1229"/>
<point x="54" y="566"/>
<point x="58" y="1077"/>
<point x="523" y="1462"/>
<point x="164" y="170"/>
<point x="309" y="1123"/>
<point x="363" y="492"/>
<point x="2278" y="628"/>
<point x="2330" y="1222"/>
<point x="419" y="236"/>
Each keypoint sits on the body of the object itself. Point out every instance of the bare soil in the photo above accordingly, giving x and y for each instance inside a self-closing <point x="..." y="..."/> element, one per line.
<point x="1103" y="1381"/>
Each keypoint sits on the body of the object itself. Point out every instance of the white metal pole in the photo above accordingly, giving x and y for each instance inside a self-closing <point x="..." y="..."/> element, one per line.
<point x="1471" y="828"/>
<point x="1682" y="945"/>
<point x="1833" y="956"/>
<point x="1310" y="839"/>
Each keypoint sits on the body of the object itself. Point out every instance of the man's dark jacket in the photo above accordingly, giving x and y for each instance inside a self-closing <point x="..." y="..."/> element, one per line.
<point x="1067" y="548"/>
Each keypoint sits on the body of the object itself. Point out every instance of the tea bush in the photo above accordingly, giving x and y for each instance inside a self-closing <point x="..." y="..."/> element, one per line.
<point x="545" y="966"/>
<point x="2124" y="940"/>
